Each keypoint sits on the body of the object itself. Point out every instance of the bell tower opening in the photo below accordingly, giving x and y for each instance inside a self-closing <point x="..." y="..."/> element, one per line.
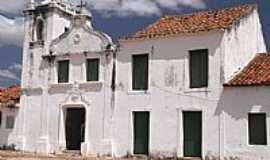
<point x="39" y="30"/>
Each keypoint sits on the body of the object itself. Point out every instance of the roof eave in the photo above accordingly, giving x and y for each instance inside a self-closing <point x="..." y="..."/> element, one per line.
<point x="171" y="36"/>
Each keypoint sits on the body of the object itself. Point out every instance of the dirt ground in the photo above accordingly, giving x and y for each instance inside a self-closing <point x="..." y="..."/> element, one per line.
<point x="12" y="155"/>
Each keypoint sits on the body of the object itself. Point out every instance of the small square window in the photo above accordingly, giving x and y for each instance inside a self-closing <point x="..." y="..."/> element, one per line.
<point x="198" y="68"/>
<point x="10" y="122"/>
<point x="257" y="128"/>
<point x="63" y="71"/>
<point x="92" y="70"/>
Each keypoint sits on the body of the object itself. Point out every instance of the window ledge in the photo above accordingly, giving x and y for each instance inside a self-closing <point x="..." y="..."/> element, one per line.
<point x="191" y="90"/>
<point x="34" y="44"/>
<point x="140" y="92"/>
<point x="255" y="146"/>
<point x="60" y="85"/>
<point x="8" y="129"/>
<point x="90" y="83"/>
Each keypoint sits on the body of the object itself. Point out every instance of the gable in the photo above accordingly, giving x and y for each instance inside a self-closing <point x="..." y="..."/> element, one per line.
<point x="80" y="39"/>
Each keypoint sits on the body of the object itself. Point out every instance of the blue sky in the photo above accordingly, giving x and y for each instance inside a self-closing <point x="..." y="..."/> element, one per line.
<point x="115" y="17"/>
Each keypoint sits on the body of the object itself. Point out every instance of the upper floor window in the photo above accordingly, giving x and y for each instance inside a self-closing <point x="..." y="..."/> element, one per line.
<point x="10" y="122"/>
<point x="40" y="30"/>
<point x="257" y="128"/>
<point x="140" y="72"/>
<point x="198" y="68"/>
<point x="63" y="71"/>
<point x="92" y="70"/>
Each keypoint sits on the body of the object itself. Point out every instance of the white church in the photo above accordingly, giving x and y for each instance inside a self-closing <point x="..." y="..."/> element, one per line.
<point x="193" y="85"/>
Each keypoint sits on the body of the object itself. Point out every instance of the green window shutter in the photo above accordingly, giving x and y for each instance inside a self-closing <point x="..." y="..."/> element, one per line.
<point x="140" y="72"/>
<point x="198" y="65"/>
<point x="257" y="129"/>
<point x="92" y="70"/>
<point x="63" y="71"/>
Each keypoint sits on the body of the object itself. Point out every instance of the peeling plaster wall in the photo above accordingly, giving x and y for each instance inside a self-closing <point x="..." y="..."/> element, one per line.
<point x="241" y="43"/>
<point x="168" y="95"/>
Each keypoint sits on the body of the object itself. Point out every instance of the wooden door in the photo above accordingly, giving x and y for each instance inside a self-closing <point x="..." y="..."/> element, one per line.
<point x="192" y="134"/>
<point x="75" y="123"/>
<point x="141" y="133"/>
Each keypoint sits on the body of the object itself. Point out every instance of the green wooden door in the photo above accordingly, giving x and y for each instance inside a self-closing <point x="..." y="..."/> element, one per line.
<point x="192" y="134"/>
<point x="141" y="132"/>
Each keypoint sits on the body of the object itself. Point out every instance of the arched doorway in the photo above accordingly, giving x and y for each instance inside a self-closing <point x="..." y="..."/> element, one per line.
<point x="74" y="128"/>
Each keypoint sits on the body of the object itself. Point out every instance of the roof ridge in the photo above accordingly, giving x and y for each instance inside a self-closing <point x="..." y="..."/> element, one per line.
<point x="255" y="5"/>
<point x="195" y="22"/>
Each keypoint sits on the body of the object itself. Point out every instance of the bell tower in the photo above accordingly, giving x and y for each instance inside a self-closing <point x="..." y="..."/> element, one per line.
<point x="45" y="20"/>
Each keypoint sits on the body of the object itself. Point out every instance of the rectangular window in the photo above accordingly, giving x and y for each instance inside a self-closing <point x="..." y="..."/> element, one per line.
<point x="92" y="70"/>
<point x="198" y="68"/>
<point x="140" y="72"/>
<point x="63" y="71"/>
<point x="257" y="128"/>
<point x="10" y="122"/>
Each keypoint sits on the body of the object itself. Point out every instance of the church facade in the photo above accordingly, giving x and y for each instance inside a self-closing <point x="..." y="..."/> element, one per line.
<point x="171" y="89"/>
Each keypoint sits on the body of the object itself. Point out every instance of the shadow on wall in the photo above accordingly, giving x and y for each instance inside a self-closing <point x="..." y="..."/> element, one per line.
<point x="239" y="101"/>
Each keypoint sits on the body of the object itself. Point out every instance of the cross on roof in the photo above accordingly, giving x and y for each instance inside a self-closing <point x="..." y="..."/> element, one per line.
<point x="82" y="4"/>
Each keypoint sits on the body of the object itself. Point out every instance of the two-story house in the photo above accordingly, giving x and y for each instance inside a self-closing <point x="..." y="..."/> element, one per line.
<point x="173" y="88"/>
<point x="170" y="91"/>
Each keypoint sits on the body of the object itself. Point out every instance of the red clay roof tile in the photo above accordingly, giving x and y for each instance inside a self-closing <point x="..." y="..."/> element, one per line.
<point x="10" y="96"/>
<point x="203" y="21"/>
<point x="257" y="72"/>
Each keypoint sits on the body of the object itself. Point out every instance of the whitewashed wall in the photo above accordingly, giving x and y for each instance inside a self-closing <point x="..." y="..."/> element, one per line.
<point x="241" y="43"/>
<point x="34" y="72"/>
<point x="4" y="131"/>
<point x="40" y="124"/>
<point x="169" y="93"/>
<point x="238" y="103"/>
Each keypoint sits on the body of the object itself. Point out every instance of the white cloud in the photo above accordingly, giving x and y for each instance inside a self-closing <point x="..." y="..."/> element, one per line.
<point x="16" y="67"/>
<point x="5" y="73"/>
<point x="141" y="7"/>
<point x="12" y="6"/>
<point x="13" y="72"/>
<point x="118" y="7"/>
<point x="11" y="31"/>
